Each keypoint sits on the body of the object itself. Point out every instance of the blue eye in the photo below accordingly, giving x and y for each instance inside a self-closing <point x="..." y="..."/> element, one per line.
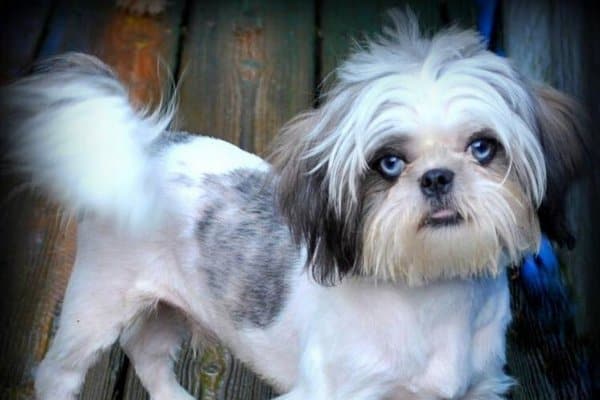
<point x="390" y="166"/>
<point x="483" y="150"/>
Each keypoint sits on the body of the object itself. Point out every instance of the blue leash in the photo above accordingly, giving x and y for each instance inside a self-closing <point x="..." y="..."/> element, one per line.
<point x="540" y="272"/>
<point x="486" y="13"/>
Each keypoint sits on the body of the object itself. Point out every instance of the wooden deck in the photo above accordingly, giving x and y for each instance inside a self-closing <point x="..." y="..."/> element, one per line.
<point x="243" y="68"/>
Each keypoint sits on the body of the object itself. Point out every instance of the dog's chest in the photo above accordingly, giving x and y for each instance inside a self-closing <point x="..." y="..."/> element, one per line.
<point x="432" y="339"/>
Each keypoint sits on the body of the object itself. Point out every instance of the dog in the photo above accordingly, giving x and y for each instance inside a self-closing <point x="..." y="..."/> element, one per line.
<point x="367" y="260"/>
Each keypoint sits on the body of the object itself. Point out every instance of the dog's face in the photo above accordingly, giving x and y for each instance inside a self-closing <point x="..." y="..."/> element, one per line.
<point x="429" y="159"/>
<point x="443" y="201"/>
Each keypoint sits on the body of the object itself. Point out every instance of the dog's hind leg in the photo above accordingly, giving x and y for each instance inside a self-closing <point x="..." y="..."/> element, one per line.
<point x="100" y="301"/>
<point x="152" y="343"/>
<point x="93" y="315"/>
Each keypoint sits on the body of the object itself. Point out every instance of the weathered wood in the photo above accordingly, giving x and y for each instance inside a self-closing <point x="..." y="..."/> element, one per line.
<point x="247" y="67"/>
<point x="141" y="49"/>
<point x="37" y="260"/>
<point x="27" y="225"/>
<point x="342" y="24"/>
<point x="544" y="40"/>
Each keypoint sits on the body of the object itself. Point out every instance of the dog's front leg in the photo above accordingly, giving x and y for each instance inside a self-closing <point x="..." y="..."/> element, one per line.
<point x="327" y="375"/>
<point x="152" y="343"/>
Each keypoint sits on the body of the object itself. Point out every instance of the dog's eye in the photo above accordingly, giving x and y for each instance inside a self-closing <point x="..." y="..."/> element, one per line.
<point x="483" y="150"/>
<point x="390" y="166"/>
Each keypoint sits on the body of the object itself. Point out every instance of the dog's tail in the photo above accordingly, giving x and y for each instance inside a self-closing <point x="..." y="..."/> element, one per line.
<point x="73" y="132"/>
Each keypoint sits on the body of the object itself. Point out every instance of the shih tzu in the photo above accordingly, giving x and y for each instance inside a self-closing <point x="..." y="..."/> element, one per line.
<point x="367" y="261"/>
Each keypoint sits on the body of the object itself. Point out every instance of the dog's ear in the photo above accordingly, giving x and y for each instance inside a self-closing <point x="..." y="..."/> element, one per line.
<point x="562" y="132"/>
<point x="331" y="235"/>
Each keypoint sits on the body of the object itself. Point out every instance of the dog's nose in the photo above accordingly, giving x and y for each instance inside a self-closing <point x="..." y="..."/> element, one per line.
<point x="436" y="182"/>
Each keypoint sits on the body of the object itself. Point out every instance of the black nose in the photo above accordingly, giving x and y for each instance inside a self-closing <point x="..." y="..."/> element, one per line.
<point x="436" y="182"/>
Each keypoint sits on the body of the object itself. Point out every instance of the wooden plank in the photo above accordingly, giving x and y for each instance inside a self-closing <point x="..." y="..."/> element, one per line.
<point x="141" y="49"/>
<point x="342" y="23"/>
<point x="543" y="39"/>
<point x="247" y="67"/>
<point x="25" y="223"/>
<point x="210" y="373"/>
<point x="39" y="276"/>
<point x="39" y="250"/>
<point x="21" y="25"/>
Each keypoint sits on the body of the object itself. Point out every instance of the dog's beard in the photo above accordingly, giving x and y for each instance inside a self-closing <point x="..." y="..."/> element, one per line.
<point x="473" y="233"/>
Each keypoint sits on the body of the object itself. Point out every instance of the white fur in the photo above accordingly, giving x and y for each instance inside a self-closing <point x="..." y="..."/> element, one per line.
<point x="86" y="146"/>
<point x="184" y="165"/>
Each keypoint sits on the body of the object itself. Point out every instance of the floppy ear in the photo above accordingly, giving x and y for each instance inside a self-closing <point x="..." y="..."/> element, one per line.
<point x="331" y="238"/>
<point x="562" y="135"/>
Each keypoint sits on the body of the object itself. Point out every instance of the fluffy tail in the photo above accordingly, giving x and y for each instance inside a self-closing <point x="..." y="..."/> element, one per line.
<point x="72" y="130"/>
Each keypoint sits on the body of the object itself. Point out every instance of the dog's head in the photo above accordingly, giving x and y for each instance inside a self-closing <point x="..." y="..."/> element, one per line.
<point x="429" y="158"/>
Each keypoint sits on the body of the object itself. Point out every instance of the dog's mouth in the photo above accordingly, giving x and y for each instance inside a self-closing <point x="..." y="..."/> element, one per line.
<point x="441" y="217"/>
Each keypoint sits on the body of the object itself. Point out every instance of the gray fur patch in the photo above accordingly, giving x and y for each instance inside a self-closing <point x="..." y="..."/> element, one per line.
<point x="246" y="250"/>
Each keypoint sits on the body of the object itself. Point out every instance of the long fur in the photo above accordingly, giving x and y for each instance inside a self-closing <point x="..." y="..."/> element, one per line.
<point x="562" y="131"/>
<point x="80" y="140"/>
<point x="183" y="233"/>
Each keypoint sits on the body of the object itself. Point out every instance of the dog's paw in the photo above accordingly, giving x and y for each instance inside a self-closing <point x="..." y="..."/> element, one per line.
<point x="143" y="7"/>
